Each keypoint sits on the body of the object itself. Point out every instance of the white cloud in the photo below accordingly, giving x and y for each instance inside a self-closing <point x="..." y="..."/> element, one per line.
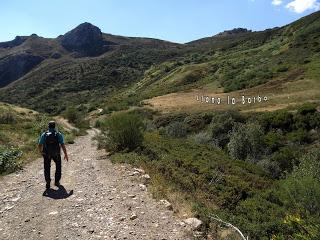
<point x="276" y="2"/>
<point x="299" y="6"/>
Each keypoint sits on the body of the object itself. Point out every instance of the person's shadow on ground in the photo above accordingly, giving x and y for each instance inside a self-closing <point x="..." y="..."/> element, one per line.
<point x="60" y="193"/>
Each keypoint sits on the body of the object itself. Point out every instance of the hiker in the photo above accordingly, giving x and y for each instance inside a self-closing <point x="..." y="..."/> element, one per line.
<point x="49" y="146"/>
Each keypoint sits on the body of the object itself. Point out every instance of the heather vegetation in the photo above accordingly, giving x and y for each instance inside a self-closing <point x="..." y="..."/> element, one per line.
<point x="258" y="171"/>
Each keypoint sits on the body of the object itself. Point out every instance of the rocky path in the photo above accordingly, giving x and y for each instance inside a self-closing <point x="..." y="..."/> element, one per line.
<point x="98" y="200"/>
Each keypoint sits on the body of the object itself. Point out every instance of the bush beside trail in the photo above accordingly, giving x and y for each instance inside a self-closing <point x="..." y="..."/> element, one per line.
<point x="123" y="131"/>
<point x="9" y="160"/>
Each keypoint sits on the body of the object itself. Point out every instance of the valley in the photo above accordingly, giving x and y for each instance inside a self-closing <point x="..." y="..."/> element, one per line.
<point x="176" y="112"/>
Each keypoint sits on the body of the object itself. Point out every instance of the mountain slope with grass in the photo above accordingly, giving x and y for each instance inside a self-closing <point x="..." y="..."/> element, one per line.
<point x="20" y="129"/>
<point x="125" y="71"/>
<point x="281" y="63"/>
<point x="35" y="70"/>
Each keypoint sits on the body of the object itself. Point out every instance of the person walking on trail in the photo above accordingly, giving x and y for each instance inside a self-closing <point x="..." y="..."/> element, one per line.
<point x="49" y="146"/>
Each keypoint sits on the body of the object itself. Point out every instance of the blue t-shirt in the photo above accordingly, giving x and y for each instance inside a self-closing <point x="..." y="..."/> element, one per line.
<point x="60" y="137"/>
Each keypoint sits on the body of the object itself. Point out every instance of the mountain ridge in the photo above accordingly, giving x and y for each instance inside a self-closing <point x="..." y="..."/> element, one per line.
<point x="83" y="76"/>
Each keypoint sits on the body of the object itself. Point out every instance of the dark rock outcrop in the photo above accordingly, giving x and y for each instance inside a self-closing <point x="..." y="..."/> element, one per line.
<point x="15" y="66"/>
<point x="84" y="40"/>
<point x="234" y="31"/>
<point x="14" y="43"/>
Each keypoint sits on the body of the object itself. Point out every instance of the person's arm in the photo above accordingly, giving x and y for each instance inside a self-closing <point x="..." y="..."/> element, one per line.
<point x="64" y="149"/>
<point x="40" y="144"/>
<point x="40" y="147"/>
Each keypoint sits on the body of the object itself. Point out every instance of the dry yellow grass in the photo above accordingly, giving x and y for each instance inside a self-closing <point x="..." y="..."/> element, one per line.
<point x="280" y="94"/>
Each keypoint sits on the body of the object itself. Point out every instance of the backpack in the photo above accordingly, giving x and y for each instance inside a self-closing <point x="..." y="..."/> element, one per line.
<point x="51" y="146"/>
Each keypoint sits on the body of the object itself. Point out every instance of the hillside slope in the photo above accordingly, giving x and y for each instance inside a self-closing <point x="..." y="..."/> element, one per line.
<point x="82" y="65"/>
<point x="57" y="73"/>
<point x="19" y="132"/>
<point x="278" y="63"/>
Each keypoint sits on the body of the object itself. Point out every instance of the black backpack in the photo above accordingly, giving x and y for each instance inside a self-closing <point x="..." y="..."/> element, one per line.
<point x="51" y="146"/>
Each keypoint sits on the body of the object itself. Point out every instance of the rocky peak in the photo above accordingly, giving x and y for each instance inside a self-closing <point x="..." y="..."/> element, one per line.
<point x="234" y="31"/>
<point x="86" y="40"/>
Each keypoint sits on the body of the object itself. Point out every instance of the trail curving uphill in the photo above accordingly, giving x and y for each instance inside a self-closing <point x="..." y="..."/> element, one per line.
<point x="98" y="200"/>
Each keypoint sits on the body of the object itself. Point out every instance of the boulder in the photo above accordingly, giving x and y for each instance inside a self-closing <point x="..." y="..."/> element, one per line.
<point x="194" y="223"/>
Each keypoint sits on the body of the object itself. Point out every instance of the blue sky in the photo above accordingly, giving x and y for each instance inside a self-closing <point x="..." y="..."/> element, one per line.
<point x="173" y="20"/>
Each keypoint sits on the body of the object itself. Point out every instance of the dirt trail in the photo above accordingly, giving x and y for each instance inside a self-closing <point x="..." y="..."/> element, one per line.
<point x="98" y="200"/>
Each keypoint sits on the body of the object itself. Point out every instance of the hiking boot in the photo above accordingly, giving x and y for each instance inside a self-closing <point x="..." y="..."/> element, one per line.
<point x="47" y="185"/>
<point x="57" y="184"/>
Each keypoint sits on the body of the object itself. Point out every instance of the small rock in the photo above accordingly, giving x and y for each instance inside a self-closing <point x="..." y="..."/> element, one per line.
<point x="209" y="237"/>
<point x="182" y="224"/>
<point x="167" y="204"/>
<point x="143" y="187"/>
<point x="15" y="199"/>
<point x="9" y="207"/>
<point x="75" y="225"/>
<point x="133" y="216"/>
<point x="27" y="220"/>
<point x="146" y="178"/>
<point x="53" y="213"/>
<point x="198" y="234"/>
<point x="131" y="195"/>
<point x="194" y="223"/>
<point x="122" y="219"/>
<point x="139" y="170"/>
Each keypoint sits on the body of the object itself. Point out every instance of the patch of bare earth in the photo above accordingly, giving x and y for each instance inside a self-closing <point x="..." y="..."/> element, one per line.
<point x="280" y="94"/>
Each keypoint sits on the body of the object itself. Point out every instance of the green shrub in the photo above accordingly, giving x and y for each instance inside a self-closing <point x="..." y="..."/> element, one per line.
<point x="40" y="124"/>
<point x="307" y="118"/>
<point x="197" y="122"/>
<point x="222" y="124"/>
<point x="300" y="194"/>
<point x="72" y="114"/>
<point x="177" y="129"/>
<point x="124" y="131"/>
<point x="272" y="168"/>
<point x="8" y="159"/>
<point x="246" y="142"/>
<point x="286" y="158"/>
<point x="307" y="108"/>
<point x="202" y="138"/>
<point x="281" y="119"/>
<point x="283" y="69"/>
<point x="300" y="136"/>
<point x="165" y="120"/>
<point x="274" y="140"/>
